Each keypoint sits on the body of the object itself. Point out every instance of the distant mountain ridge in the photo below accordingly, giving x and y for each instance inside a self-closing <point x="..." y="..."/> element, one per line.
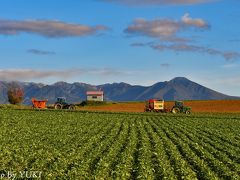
<point x="179" y="88"/>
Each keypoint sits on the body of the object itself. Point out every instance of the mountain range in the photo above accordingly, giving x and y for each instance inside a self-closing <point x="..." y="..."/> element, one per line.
<point x="179" y="88"/>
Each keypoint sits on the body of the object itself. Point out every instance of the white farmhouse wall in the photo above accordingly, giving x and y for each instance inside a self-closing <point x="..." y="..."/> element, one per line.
<point x="95" y="97"/>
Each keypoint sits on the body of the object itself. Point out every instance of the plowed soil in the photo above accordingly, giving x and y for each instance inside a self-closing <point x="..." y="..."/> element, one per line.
<point x="211" y="106"/>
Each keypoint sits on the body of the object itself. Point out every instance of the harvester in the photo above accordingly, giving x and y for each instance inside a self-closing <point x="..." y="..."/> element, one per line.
<point x="154" y="105"/>
<point x="62" y="104"/>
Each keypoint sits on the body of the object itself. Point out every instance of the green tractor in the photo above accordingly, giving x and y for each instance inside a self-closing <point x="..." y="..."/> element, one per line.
<point x="62" y="104"/>
<point x="180" y="108"/>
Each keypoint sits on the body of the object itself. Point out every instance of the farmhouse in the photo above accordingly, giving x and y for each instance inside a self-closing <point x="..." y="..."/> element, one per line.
<point x="95" y="95"/>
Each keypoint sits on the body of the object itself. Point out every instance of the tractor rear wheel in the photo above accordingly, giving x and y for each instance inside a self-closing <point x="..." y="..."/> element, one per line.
<point x="71" y="107"/>
<point x="175" y="110"/>
<point x="58" y="106"/>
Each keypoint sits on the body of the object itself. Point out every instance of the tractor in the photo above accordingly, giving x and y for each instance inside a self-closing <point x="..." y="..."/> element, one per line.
<point x="62" y="104"/>
<point x="180" y="108"/>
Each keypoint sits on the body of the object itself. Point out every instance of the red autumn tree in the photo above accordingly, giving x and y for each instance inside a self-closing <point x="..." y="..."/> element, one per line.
<point x="15" y="93"/>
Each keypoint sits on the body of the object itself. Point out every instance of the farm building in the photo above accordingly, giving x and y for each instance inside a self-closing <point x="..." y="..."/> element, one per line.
<point x="95" y="95"/>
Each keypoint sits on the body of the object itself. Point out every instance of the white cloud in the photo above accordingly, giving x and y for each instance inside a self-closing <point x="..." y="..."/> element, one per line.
<point x="46" y="28"/>
<point x="165" y="29"/>
<point x="183" y="47"/>
<point x="187" y="20"/>
<point x="32" y="74"/>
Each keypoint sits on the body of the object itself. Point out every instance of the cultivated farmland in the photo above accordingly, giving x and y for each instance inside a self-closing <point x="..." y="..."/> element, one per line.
<point x="78" y="145"/>
<point x="207" y="106"/>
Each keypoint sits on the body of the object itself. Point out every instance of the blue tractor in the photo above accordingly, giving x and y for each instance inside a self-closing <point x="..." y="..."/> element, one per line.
<point x="62" y="104"/>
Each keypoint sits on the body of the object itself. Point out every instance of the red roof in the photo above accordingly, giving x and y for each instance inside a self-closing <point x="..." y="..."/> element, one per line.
<point x="94" y="92"/>
<point x="153" y="100"/>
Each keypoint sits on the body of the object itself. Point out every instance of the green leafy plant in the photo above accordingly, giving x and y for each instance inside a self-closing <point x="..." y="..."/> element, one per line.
<point x="91" y="145"/>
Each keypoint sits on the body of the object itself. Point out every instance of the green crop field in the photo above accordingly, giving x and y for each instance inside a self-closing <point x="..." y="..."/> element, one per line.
<point x="79" y="145"/>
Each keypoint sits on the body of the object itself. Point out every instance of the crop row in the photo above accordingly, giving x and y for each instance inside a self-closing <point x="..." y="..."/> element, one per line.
<point x="80" y="145"/>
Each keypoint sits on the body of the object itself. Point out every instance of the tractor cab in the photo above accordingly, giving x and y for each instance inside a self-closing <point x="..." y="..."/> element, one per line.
<point x="179" y="104"/>
<point x="180" y="108"/>
<point x="61" y="100"/>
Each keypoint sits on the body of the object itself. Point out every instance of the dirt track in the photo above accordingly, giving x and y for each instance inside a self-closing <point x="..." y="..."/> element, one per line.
<point x="220" y="106"/>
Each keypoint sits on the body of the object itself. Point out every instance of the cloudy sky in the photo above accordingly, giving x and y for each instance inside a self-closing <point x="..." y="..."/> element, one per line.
<point x="133" y="41"/>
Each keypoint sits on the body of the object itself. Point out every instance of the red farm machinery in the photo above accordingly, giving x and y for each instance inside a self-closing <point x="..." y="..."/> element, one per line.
<point x="39" y="104"/>
<point x="155" y="105"/>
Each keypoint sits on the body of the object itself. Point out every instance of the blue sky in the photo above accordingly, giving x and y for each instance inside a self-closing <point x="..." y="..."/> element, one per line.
<point x="137" y="42"/>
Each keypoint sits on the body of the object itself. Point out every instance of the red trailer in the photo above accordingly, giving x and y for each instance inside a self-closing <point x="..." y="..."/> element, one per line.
<point x="39" y="104"/>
